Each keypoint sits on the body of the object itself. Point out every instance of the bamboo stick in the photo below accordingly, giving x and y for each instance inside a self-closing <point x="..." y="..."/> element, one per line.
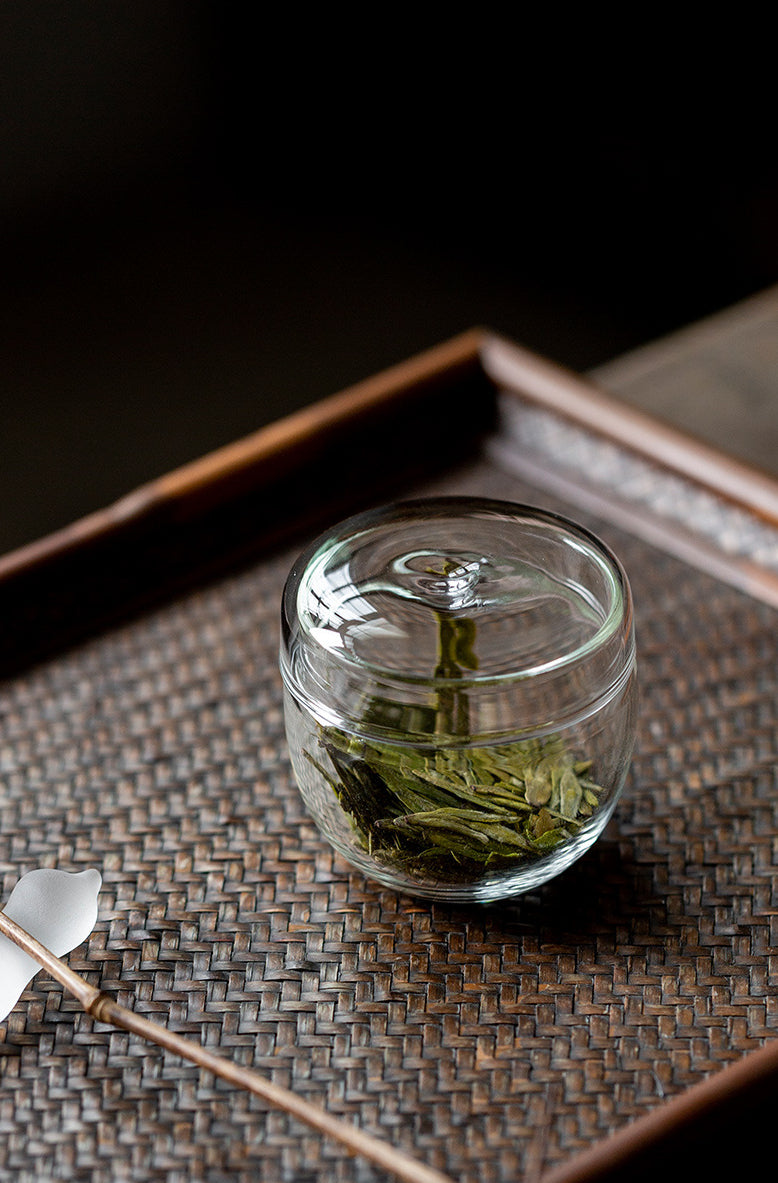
<point x="103" y="1008"/>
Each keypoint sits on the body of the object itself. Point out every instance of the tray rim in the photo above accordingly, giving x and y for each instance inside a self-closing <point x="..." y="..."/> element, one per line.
<point x="504" y="362"/>
<point x="247" y="463"/>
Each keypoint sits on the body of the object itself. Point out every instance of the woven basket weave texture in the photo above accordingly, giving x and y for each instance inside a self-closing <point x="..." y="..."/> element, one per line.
<point x="492" y="1043"/>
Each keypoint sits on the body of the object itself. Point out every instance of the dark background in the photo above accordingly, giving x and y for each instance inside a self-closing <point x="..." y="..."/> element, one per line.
<point x="207" y="220"/>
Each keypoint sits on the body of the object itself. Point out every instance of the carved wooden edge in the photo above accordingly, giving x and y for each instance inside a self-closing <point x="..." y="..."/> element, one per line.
<point x="552" y="386"/>
<point x="700" y="477"/>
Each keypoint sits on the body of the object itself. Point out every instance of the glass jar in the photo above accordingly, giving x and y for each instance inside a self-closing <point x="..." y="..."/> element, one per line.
<point x="460" y="693"/>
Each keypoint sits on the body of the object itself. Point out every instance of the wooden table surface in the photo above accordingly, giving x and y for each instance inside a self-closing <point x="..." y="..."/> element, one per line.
<point x="717" y="379"/>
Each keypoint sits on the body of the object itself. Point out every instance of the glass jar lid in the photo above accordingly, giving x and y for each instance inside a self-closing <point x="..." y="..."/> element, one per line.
<point x="517" y="618"/>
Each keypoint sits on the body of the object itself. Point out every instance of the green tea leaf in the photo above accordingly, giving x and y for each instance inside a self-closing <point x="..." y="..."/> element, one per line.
<point x="453" y="811"/>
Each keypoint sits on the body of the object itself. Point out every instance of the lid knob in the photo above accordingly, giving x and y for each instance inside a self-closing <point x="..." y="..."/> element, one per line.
<point x="441" y="580"/>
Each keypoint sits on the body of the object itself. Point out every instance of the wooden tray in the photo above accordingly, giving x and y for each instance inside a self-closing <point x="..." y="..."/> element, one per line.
<point x="591" y="1030"/>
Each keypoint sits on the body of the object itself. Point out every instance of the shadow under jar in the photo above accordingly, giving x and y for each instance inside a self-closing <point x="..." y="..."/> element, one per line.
<point x="460" y="693"/>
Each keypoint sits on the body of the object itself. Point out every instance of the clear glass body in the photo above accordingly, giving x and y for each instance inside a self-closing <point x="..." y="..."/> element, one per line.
<point x="460" y="693"/>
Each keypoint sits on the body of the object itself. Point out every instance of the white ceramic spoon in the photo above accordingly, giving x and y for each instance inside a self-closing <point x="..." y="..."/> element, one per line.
<point x="59" y="909"/>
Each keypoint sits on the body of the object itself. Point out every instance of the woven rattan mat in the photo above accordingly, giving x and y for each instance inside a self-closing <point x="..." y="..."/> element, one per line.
<point x="493" y="1043"/>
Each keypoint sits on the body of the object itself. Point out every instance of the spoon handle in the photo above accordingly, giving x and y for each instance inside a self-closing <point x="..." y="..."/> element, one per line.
<point x="103" y="1008"/>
